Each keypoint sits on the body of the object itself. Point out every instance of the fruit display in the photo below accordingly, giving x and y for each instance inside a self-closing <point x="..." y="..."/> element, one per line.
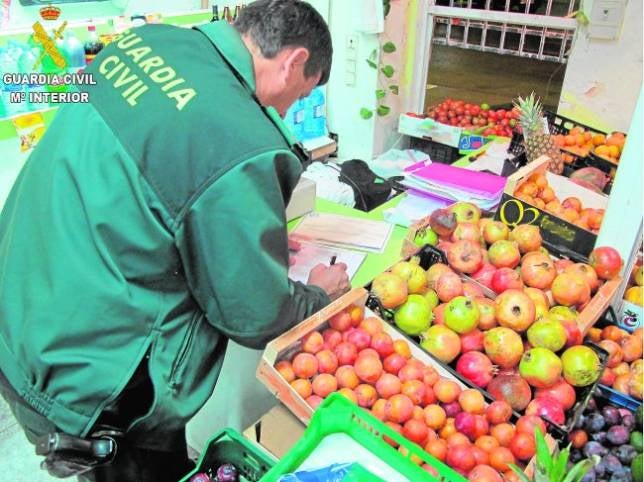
<point x="354" y="354"/>
<point x="537" y="141"/>
<point x="224" y="473"/>
<point x="634" y="290"/>
<point x="612" y="436"/>
<point x="537" y="192"/>
<point x="609" y="148"/>
<point x="625" y="368"/>
<point x="578" y="141"/>
<point x="481" y="118"/>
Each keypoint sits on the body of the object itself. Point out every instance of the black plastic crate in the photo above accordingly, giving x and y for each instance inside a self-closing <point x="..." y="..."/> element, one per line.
<point x="429" y="255"/>
<point x="436" y="151"/>
<point x="559" y="124"/>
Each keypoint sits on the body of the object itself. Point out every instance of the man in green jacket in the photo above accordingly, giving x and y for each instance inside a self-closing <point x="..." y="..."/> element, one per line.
<point x="148" y="228"/>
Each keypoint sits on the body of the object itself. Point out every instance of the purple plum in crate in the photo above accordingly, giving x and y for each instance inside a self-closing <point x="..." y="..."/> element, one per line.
<point x="227" y="473"/>
<point x="611" y="415"/>
<point x="628" y="419"/>
<point x="618" y="435"/>
<point x="200" y="478"/>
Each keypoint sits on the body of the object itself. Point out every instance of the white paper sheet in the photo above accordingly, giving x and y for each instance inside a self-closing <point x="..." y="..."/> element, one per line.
<point x="344" y="232"/>
<point x="311" y="254"/>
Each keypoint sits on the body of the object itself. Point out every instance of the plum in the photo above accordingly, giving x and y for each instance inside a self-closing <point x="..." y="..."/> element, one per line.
<point x="579" y="423"/>
<point x="618" y="435"/>
<point x="625" y="453"/>
<point x="595" y="448"/>
<point x="594" y="422"/>
<point x="592" y="405"/>
<point x="612" y="463"/>
<point x="589" y="477"/>
<point x="600" y="468"/>
<point x="201" y="477"/>
<point x="599" y="437"/>
<point x="227" y="473"/>
<point x="628" y="419"/>
<point x="611" y="415"/>
<point x="622" y="475"/>
<point x="576" y="456"/>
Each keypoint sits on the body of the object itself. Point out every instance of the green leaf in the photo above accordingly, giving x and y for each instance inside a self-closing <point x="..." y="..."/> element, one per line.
<point x="371" y="63"/>
<point x="544" y="459"/>
<point x="383" y="110"/>
<point x="388" y="70"/>
<point x="386" y="7"/>
<point x="579" y="470"/>
<point x="394" y="89"/>
<point x="380" y="94"/>
<point x="389" y="48"/>
<point x="366" y="113"/>
<point x="373" y="55"/>
<point x="582" y="18"/>
<point x="519" y="472"/>
<point x="560" y="464"/>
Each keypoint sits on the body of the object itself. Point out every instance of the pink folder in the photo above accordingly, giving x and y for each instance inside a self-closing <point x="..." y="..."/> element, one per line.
<point x="482" y="184"/>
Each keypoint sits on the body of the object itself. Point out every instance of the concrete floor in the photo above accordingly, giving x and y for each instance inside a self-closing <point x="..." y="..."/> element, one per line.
<point x="496" y="79"/>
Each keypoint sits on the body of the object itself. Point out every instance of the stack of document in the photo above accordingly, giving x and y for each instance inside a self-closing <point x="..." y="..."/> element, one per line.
<point x="311" y="254"/>
<point x="455" y="183"/>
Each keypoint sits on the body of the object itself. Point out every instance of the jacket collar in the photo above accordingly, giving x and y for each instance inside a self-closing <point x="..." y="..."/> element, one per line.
<point x="229" y="43"/>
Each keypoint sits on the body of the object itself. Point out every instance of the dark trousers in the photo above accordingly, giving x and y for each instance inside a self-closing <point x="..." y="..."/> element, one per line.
<point x="133" y="462"/>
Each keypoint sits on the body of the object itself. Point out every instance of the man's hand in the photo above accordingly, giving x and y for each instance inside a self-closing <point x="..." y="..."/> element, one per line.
<point x="332" y="279"/>
<point x="293" y="247"/>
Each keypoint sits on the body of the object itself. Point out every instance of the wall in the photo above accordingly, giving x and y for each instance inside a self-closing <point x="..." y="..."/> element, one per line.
<point x="604" y="77"/>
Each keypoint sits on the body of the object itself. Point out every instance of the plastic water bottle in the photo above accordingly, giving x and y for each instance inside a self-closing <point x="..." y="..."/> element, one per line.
<point x="74" y="53"/>
<point x="26" y="64"/>
<point x="295" y="119"/>
<point x="315" y="118"/>
<point x="8" y="64"/>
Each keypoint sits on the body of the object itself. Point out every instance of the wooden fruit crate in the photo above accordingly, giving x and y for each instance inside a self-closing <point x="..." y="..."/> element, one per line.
<point x="286" y="345"/>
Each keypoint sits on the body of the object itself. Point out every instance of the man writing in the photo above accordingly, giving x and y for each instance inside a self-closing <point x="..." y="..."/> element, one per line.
<point x="147" y="229"/>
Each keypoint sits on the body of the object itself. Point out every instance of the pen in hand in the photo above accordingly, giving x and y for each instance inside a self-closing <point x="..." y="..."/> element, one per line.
<point x="333" y="258"/>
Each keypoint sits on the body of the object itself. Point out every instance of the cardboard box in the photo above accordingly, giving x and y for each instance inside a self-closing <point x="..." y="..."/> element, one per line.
<point x="631" y="316"/>
<point x="429" y="129"/>
<point x="559" y="235"/>
<point x="302" y="200"/>
<point x="276" y="431"/>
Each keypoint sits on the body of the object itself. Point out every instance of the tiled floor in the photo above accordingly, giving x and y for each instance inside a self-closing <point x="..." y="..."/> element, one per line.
<point x="18" y="461"/>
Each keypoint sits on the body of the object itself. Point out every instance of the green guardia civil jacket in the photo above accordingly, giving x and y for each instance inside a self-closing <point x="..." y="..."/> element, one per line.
<point x="149" y="221"/>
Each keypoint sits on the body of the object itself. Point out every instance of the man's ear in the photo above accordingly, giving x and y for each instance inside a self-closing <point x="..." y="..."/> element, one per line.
<point x="296" y="59"/>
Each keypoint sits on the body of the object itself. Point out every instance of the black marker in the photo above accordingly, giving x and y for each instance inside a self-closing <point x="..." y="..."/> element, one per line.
<point x="333" y="258"/>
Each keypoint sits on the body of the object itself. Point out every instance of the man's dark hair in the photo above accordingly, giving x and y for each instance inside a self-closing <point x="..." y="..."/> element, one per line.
<point x="276" y="24"/>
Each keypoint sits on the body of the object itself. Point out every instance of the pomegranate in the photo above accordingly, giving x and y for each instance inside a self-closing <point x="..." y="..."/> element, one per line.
<point x="441" y="342"/>
<point x="547" y="333"/>
<point x="511" y="388"/>
<point x="472" y="341"/>
<point x="615" y="354"/>
<point x="439" y="314"/>
<point x="448" y="286"/>
<point x="471" y="290"/>
<point x="452" y="409"/>
<point x="495" y="231"/>
<point x="581" y="366"/>
<point x="487" y="310"/>
<point x="466" y="231"/>
<point x="547" y="407"/>
<point x="505" y="279"/>
<point x="476" y="367"/>
<point x="466" y="212"/>
<point x="390" y="289"/>
<point x="434" y="272"/>
<point x="465" y="256"/>
<point x="414" y="315"/>
<point x="541" y="302"/>
<point x="504" y="254"/>
<point x="484" y="274"/>
<point x="527" y="237"/>
<point x="587" y="272"/>
<point x="540" y="367"/>
<point x="538" y="271"/>
<point x="570" y="289"/>
<point x="561" y="391"/>
<point x="503" y="346"/>
<point x="515" y="310"/>
<point x="413" y="274"/>
<point x="442" y="222"/>
<point x="606" y="261"/>
<point x="462" y="314"/>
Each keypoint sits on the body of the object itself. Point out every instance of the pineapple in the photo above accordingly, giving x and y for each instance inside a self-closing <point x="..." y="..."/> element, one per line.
<point x="537" y="142"/>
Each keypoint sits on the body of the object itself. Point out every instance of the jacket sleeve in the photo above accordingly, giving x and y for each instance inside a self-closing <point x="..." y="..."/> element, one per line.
<point x="233" y="244"/>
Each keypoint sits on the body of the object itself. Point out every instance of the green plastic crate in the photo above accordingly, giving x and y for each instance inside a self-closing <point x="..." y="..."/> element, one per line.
<point x="229" y="446"/>
<point x="339" y="415"/>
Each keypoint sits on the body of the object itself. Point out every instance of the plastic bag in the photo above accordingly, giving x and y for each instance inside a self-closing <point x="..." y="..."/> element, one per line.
<point x="332" y="473"/>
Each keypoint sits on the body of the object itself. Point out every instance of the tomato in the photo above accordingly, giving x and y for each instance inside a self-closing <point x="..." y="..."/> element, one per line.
<point x="475" y="109"/>
<point x="505" y="122"/>
<point x="443" y="119"/>
<point x="509" y="114"/>
<point x="500" y="114"/>
<point x="485" y="112"/>
<point x="451" y="114"/>
<point x="488" y="132"/>
<point x="491" y="115"/>
<point x="482" y="122"/>
<point x="459" y="111"/>
<point x="467" y="112"/>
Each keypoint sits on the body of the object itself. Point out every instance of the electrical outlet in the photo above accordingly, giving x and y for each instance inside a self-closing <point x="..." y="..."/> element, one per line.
<point x="606" y="19"/>
<point x="352" y="42"/>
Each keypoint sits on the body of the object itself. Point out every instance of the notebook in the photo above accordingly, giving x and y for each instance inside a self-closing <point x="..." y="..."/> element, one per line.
<point x="312" y="254"/>
<point x="478" y="184"/>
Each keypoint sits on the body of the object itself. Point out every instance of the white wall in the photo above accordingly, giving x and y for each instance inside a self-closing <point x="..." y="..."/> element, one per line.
<point x="604" y="77"/>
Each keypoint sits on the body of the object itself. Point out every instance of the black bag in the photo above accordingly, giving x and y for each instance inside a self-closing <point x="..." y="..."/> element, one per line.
<point x="369" y="189"/>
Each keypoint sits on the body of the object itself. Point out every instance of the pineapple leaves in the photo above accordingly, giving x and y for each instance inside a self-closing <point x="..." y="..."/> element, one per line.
<point x="519" y="472"/>
<point x="544" y="460"/>
<point x="579" y="470"/>
<point x="560" y="464"/>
